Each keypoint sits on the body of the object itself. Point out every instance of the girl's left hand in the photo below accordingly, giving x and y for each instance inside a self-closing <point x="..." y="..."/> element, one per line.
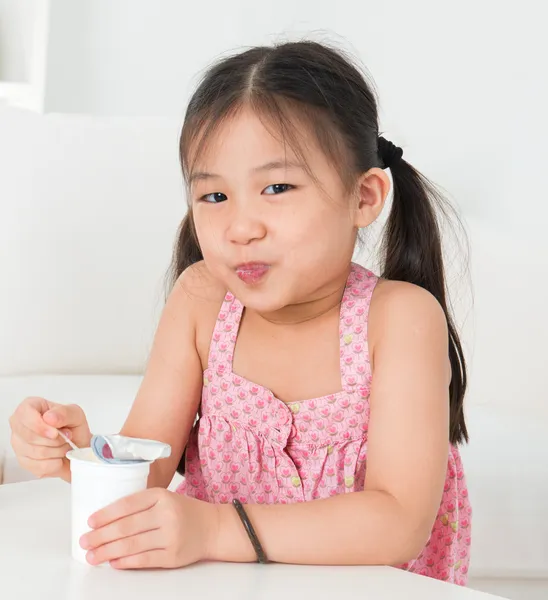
<point x="155" y="528"/>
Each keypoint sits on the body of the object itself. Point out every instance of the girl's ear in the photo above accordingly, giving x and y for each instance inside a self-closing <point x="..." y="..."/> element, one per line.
<point x="372" y="190"/>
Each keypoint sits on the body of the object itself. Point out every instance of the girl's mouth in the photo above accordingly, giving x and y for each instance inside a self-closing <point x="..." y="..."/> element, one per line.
<point x="252" y="272"/>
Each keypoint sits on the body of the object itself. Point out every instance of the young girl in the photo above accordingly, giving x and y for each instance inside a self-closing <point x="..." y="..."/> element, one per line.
<point x="330" y="400"/>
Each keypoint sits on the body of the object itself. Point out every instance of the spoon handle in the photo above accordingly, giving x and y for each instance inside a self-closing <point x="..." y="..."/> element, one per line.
<point x="69" y="442"/>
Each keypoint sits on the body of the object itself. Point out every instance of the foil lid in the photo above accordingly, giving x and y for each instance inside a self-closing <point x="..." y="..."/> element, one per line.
<point x="121" y="449"/>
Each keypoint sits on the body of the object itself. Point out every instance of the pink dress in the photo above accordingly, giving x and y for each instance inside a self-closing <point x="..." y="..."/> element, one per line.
<point x="250" y="445"/>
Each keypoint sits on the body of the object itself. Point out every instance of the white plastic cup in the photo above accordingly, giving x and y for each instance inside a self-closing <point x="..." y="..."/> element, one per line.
<point x="96" y="484"/>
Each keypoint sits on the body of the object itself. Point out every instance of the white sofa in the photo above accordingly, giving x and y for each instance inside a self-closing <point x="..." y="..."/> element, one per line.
<point x="88" y="213"/>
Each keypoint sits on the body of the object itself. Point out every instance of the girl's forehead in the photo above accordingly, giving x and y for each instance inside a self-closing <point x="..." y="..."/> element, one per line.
<point x="253" y="139"/>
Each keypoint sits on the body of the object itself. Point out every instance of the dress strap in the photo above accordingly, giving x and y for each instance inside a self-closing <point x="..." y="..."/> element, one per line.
<point x="353" y="329"/>
<point x="223" y="340"/>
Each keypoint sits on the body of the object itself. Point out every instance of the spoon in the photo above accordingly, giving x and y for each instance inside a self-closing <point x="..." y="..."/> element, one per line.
<point x="101" y="450"/>
<point x="69" y="442"/>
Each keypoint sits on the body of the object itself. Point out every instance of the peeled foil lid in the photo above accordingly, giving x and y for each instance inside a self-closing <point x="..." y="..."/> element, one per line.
<point x="121" y="449"/>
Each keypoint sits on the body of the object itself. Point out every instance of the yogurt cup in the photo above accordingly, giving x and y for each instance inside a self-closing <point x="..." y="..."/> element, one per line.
<point x="96" y="484"/>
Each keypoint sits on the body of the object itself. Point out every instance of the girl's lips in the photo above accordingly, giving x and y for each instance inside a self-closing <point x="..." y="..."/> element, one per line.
<point x="252" y="272"/>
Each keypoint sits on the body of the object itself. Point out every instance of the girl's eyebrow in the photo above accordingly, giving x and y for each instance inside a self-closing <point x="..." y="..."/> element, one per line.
<point x="269" y="166"/>
<point x="201" y="176"/>
<point x="278" y="164"/>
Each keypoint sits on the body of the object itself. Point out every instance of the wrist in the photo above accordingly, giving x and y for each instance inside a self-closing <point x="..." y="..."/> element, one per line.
<point x="213" y="524"/>
<point x="229" y="542"/>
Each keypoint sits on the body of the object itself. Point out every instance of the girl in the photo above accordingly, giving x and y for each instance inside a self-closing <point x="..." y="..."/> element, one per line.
<point x="330" y="400"/>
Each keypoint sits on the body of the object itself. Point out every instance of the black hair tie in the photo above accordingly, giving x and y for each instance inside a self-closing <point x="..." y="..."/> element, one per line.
<point x="390" y="153"/>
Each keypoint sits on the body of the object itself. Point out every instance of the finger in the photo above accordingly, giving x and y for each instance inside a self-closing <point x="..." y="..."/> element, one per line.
<point x="65" y="415"/>
<point x="122" y="528"/>
<point x="28" y="414"/>
<point x="40" y="404"/>
<point x="46" y="453"/>
<point x="136" y="544"/>
<point x="26" y="434"/>
<point x="125" y="507"/>
<point x="42" y="468"/>
<point x="153" y="559"/>
<point x="37" y="452"/>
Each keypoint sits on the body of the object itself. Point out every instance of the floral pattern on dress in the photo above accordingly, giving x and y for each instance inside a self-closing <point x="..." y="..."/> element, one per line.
<point x="250" y="445"/>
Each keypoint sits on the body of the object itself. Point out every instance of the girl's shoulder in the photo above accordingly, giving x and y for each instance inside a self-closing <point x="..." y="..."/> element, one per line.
<point x="398" y="308"/>
<point x="202" y="295"/>
<point x="391" y="294"/>
<point x="199" y="286"/>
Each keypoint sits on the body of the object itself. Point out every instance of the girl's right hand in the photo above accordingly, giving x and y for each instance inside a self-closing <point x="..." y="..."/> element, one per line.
<point x="35" y="437"/>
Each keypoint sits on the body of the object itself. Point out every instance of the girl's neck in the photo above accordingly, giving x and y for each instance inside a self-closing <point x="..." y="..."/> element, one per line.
<point x="303" y="312"/>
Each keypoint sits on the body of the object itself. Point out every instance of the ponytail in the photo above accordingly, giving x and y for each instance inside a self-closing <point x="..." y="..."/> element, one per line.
<point x="186" y="251"/>
<point x="411" y="251"/>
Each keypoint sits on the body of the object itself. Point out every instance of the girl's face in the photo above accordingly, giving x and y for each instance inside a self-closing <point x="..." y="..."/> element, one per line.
<point x="266" y="229"/>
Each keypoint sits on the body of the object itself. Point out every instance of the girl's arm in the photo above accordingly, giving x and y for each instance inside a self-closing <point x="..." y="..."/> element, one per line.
<point x="391" y="520"/>
<point x="167" y="401"/>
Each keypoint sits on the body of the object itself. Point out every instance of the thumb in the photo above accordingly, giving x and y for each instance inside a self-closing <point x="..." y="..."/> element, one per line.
<point x="65" y="415"/>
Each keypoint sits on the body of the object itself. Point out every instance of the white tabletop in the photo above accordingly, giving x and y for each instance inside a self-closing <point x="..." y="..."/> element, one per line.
<point x="35" y="562"/>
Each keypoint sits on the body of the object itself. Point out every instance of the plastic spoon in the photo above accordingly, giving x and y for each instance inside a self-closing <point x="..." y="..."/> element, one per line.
<point x="69" y="442"/>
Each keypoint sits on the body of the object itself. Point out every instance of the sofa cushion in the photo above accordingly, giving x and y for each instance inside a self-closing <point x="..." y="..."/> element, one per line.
<point x="89" y="209"/>
<point x="505" y="464"/>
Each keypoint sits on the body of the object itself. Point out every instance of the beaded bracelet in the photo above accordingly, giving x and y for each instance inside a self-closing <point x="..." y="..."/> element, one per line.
<point x="261" y="556"/>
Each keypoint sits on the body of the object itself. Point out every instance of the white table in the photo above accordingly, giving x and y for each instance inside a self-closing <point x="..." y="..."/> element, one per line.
<point x="35" y="563"/>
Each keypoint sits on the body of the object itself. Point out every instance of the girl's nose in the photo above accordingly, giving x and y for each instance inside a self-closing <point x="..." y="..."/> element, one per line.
<point x="245" y="228"/>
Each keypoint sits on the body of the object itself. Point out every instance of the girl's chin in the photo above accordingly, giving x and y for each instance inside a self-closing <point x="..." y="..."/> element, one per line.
<point x="261" y="299"/>
<point x="261" y="304"/>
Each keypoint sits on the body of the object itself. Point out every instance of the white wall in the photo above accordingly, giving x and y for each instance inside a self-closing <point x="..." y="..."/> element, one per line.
<point x="460" y="84"/>
<point x="16" y="39"/>
<point x="135" y="57"/>
<point x="24" y="26"/>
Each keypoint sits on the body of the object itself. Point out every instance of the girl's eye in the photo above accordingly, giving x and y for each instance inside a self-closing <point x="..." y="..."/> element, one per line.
<point x="214" y="198"/>
<point x="277" y="188"/>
